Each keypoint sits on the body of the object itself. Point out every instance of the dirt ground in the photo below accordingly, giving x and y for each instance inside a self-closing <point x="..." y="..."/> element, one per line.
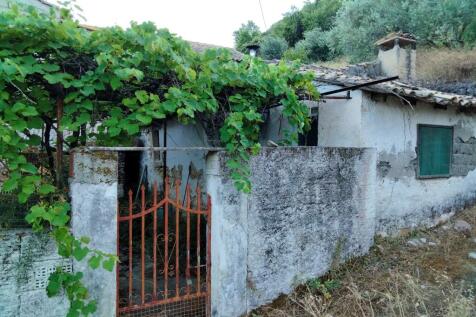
<point x="426" y="273"/>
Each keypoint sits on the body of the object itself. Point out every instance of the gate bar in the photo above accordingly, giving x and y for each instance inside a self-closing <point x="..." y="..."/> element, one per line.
<point x="166" y="240"/>
<point x="134" y="304"/>
<point x="130" y="247"/>
<point x="187" y="267"/>
<point x="177" y="237"/>
<point x="142" y="292"/>
<point x="154" y="269"/>
<point x="199" y="207"/>
<point x="209" y="253"/>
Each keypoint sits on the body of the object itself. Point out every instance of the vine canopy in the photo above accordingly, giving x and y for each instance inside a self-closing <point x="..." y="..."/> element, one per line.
<point x="110" y="83"/>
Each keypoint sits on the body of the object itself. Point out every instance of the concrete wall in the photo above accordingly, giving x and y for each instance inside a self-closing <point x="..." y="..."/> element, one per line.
<point x="94" y="214"/>
<point x="26" y="262"/>
<point x="403" y="200"/>
<point x="309" y="208"/>
<point x="340" y="120"/>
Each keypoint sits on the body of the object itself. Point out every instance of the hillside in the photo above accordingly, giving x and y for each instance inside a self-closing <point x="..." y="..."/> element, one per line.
<point x="447" y="70"/>
<point x="329" y="30"/>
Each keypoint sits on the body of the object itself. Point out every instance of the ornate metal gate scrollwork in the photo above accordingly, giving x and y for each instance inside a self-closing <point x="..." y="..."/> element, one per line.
<point x="164" y="252"/>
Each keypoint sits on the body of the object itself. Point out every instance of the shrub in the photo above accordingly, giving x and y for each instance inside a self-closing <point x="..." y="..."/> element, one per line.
<point x="297" y="53"/>
<point x="317" y="45"/>
<point x="273" y="47"/>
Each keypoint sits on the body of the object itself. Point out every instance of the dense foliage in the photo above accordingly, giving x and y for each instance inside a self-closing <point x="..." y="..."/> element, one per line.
<point x="315" y="46"/>
<point x="448" y="23"/>
<point x="273" y="47"/>
<point x="110" y="83"/>
<point x="325" y="29"/>
<point x="298" y="28"/>
<point x="247" y="34"/>
<point x="314" y="14"/>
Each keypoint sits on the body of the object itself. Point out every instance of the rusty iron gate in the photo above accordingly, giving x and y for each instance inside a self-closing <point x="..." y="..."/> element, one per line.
<point x="164" y="252"/>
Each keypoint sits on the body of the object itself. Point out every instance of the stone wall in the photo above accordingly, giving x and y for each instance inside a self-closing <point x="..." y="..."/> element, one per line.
<point x="26" y="261"/>
<point x="309" y="208"/>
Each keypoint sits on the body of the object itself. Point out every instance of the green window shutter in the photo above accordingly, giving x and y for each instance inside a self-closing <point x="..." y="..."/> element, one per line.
<point x="434" y="150"/>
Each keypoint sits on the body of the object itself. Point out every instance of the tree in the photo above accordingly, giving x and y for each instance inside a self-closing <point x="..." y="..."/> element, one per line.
<point x="320" y="13"/>
<point x="293" y="27"/>
<point x="247" y="34"/>
<point x="294" y="24"/>
<point x="273" y="47"/>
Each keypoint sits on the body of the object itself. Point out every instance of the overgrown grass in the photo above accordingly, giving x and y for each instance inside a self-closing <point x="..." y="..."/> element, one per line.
<point x="394" y="280"/>
<point x="446" y="65"/>
<point x="335" y="63"/>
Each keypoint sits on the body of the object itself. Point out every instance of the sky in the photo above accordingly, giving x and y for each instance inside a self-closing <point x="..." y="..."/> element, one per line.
<point x="206" y="21"/>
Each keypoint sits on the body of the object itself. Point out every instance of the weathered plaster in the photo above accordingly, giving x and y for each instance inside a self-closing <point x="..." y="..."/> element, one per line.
<point x="398" y="61"/>
<point x="309" y="208"/>
<point x="403" y="200"/>
<point x="188" y="166"/>
<point x="340" y="120"/>
<point x="389" y="124"/>
<point x="229" y="241"/>
<point x="94" y="214"/>
<point x="26" y="260"/>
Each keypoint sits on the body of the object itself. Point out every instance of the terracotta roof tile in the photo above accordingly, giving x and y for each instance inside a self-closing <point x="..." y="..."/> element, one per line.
<point x="344" y="77"/>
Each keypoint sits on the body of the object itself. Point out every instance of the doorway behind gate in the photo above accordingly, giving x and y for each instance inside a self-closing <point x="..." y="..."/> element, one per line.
<point x="164" y="252"/>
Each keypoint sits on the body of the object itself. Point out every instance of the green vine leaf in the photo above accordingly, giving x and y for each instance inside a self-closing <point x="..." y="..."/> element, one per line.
<point x="94" y="261"/>
<point x="109" y="264"/>
<point x="46" y="189"/>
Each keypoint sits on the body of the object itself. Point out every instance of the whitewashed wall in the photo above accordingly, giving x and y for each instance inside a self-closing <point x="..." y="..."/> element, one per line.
<point x="40" y="6"/>
<point x="340" y="120"/>
<point x="403" y="201"/>
<point x="389" y="124"/>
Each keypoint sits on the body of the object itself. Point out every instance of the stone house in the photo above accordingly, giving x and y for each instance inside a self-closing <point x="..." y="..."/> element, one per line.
<point x="380" y="158"/>
<point x="425" y="139"/>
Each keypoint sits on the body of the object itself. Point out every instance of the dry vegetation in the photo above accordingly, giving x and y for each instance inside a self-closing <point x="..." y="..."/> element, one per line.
<point x="446" y="65"/>
<point x="395" y="279"/>
<point x="335" y="63"/>
<point x="435" y="65"/>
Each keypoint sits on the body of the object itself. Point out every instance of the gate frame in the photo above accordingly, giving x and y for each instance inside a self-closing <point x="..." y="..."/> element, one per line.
<point x="153" y="209"/>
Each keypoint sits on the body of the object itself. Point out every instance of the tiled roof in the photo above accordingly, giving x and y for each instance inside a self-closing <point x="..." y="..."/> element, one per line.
<point x="345" y="77"/>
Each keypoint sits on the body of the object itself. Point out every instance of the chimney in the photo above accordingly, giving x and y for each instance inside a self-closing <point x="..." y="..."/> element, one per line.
<point x="397" y="55"/>
<point x="253" y="49"/>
